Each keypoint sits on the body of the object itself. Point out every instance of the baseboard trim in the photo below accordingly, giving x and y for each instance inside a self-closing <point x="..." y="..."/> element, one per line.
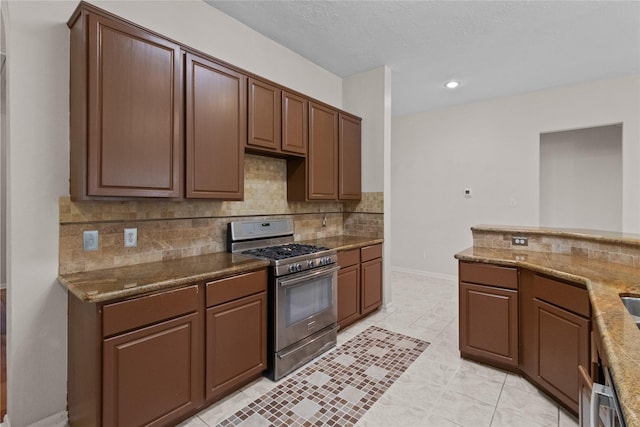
<point x="425" y="273"/>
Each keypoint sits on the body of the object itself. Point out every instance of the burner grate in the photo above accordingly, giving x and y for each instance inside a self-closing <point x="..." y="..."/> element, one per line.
<point x="284" y="251"/>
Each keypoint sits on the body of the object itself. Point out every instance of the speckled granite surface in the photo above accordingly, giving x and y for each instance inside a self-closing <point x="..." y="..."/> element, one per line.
<point x="131" y="280"/>
<point x="605" y="282"/>
<point x="574" y="233"/>
<point x="343" y="243"/>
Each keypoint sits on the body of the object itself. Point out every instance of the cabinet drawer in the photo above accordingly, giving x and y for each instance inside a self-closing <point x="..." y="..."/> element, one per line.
<point x="348" y="258"/>
<point x="127" y="315"/>
<point x="371" y="252"/>
<point x="235" y="287"/>
<point x="564" y="295"/>
<point x="486" y="274"/>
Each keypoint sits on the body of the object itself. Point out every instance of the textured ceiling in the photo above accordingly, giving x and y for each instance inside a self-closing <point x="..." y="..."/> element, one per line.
<point x="494" y="48"/>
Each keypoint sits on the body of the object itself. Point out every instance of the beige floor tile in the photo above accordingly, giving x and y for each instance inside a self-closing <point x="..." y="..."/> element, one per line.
<point x="193" y="422"/>
<point x="533" y="406"/>
<point x="476" y="387"/>
<point x="439" y="389"/>
<point x="517" y="381"/>
<point x="566" y="419"/>
<point x="463" y="410"/>
<point x="506" y="418"/>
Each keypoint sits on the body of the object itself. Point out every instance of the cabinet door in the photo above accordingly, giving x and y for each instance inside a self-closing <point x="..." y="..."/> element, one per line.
<point x="295" y="123"/>
<point x="489" y="323"/>
<point x="216" y="120"/>
<point x="371" y="295"/>
<point x="561" y="345"/>
<point x="236" y="344"/>
<point x="134" y="109"/>
<point x="348" y="295"/>
<point x="150" y="375"/>
<point x="264" y="116"/>
<point x="322" y="160"/>
<point x="350" y="159"/>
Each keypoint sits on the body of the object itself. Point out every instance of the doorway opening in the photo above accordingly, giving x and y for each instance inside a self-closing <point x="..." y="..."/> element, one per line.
<point x="581" y="178"/>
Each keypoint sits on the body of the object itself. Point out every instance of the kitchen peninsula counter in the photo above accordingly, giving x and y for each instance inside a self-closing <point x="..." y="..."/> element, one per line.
<point x="132" y="280"/>
<point x="605" y="263"/>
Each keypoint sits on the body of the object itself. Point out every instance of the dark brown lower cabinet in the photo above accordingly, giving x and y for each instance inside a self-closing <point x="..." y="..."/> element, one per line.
<point x="371" y="297"/>
<point x="150" y="375"/>
<point x="555" y="335"/>
<point x="488" y="310"/>
<point x="524" y="321"/>
<point x="348" y="287"/>
<point x="359" y="283"/>
<point x="157" y="359"/>
<point x="489" y="324"/>
<point x="236" y="344"/>
<point x="236" y="337"/>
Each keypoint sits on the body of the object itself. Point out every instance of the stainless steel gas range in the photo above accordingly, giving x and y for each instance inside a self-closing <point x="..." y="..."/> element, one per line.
<point x="302" y="292"/>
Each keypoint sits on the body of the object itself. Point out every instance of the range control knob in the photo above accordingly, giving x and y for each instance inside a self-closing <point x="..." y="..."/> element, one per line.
<point x="298" y="267"/>
<point x="291" y="268"/>
<point x="328" y="260"/>
<point x="310" y="264"/>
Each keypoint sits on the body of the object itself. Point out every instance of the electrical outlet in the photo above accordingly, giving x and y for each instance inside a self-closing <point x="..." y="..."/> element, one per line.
<point x="130" y="237"/>
<point x="468" y="192"/>
<point x="519" y="241"/>
<point x="324" y="220"/>
<point x="90" y="240"/>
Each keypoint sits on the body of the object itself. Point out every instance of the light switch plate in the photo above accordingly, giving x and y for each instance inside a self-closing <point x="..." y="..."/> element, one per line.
<point x="130" y="237"/>
<point x="90" y="240"/>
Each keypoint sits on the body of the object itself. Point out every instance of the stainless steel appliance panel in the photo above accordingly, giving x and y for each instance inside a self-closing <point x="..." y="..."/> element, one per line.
<point x="304" y="304"/>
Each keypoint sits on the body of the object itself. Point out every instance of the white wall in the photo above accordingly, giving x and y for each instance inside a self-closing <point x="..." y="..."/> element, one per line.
<point x="38" y="172"/>
<point x="581" y="178"/>
<point x="363" y="95"/>
<point x="493" y="148"/>
<point x="368" y="95"/>
<point x="200" y="26"/>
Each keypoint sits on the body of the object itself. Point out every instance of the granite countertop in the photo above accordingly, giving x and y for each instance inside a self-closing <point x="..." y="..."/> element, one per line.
<point x="343" y="243"/>
<point x="605" y="281"/>
<point x="131" y="280"/>
<point x="613" y="237"/>
<point x="127" y="281"/>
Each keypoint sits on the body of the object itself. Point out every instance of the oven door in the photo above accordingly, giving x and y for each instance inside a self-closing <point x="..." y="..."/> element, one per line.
<point x="305" y="303"/>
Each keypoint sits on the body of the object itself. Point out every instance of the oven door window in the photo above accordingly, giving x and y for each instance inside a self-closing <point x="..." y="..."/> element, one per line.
<point x="307" y="299"/>
<point x="305" y="304"/>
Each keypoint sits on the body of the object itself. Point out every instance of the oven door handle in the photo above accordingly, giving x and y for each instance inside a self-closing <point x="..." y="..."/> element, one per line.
<point x="601" y="395"/>
<point x="293" y="281"/>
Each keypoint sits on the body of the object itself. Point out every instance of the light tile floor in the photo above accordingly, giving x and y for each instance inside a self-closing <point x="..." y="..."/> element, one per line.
<point x="439" y="388"/>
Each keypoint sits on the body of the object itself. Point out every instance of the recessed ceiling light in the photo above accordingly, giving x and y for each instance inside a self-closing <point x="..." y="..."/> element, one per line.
<point x="452" y="84"/>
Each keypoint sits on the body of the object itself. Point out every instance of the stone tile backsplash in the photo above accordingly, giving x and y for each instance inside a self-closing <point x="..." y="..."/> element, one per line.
<point x="611" y="252"/>
<point x="176" y="229"/>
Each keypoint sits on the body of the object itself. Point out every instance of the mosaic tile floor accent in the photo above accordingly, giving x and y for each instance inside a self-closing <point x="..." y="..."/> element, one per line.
<point x="338" y="388"/>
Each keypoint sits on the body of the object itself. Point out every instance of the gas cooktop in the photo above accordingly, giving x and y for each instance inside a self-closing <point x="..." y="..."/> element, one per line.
<point x="284" y="251"/>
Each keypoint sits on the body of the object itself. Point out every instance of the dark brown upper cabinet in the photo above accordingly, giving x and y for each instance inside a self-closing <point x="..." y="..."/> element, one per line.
<point x="278" y="120"/>
<point x="216" y="121"/>
<point x="295" y="123"/>
<point x="350" y="167"/>
<point x="264" y="116"/>
<point x="126" y="103"/>
<point x="317" y="177"/>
